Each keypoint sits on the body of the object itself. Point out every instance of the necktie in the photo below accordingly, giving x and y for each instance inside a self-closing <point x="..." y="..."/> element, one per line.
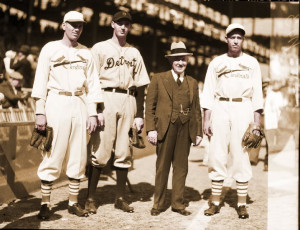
<point x="178" y="80"/>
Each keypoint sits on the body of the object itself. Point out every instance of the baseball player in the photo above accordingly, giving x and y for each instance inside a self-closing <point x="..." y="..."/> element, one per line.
<point x="123" y="77"/>
<point x="232" y="99"/>
<point x="67" y="90"/>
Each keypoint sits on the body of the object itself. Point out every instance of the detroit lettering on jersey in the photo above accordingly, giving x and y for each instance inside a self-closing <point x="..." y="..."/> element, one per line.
<point x="110" y="62"/>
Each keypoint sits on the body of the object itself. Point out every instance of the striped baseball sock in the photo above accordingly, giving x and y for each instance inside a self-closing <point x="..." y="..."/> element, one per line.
<point x="216" y="191"/>
<point x="73" y="191"/>
<point x="46" y="187"/>
<point x="242" y="191"/>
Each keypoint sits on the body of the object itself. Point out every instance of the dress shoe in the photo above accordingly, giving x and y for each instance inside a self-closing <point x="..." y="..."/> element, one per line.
<point x="77" y="210"/>
<point x="123" y="205"/>
<point x="182" y="211"/>
<point x="44" y="213"/>
<point x="242" y="211"/>
<point x="186" y="203"/>
<point x="212" y="210"/>
<point x="90" y="206"/>
<point x="155" y="212"/>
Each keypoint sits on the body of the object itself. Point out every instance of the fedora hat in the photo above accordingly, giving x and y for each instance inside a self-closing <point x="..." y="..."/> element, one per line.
<point x="178" y="49"/>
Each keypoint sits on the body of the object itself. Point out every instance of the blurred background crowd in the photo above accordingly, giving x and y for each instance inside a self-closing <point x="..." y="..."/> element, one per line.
<point x="272" y="37"/>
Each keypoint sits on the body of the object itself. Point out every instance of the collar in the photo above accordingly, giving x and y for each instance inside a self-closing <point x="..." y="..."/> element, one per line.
<point x="175" y="76"/>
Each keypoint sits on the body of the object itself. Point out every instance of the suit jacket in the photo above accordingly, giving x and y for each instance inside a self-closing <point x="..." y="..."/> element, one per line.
<point x="159" y="105"/>
<point x="11" y="99"/>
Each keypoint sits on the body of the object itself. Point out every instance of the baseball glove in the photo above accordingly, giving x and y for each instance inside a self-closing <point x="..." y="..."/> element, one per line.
<point x="250" y="139"/>
<point x="42" y="139"/>
<point x="136" y="140"/>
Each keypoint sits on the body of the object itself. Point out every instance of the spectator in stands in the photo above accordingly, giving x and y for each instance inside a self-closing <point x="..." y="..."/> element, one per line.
<point x="11" y="89"/>
<point x="23" y="66"/>
<point x="33" y="59"/>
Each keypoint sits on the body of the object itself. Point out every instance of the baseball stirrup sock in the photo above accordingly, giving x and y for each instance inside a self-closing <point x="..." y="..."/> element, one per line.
<point x="46" y="188"/>
<point x="74" y="187"/>
<point x="242" y="191"/>
<point x="216" y="191"/>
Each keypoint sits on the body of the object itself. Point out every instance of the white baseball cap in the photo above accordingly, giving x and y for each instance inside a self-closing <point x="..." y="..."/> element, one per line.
<point x="235" y="26"/>
<point x="73" y="16"/>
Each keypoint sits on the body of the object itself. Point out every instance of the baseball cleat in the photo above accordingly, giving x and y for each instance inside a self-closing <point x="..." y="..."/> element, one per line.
<point x="242" y="211"/>
<point x="44" y="213"/>
<point x="212" y="210"/>
<point x="123" y="205"/>
<point x="77" y="210"/>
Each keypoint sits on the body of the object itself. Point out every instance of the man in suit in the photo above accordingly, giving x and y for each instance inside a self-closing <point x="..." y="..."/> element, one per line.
<point x="173" y="122"/>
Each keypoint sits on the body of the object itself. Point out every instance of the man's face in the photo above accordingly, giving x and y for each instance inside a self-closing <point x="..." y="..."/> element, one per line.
<point x="121" y="27"/>
<point x="73" y="30"/>
<point x="179" y="63"/>
<point x="235" y="40"/>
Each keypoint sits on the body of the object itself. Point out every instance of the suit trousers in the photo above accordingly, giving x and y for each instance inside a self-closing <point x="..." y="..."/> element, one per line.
<point x="173" y="149"/>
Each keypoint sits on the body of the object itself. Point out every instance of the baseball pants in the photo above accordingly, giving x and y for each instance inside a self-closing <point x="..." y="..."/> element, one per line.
<point x="67" y="115"/>
<point x="230" y="120"/>
<point x="119" y="113"/>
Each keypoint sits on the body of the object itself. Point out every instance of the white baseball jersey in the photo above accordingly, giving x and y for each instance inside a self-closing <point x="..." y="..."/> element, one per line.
<point x="62" y="68"/>
<point x="119" y="67"/>
<point x="233" y="78"/>
<point x="230" y="78"/>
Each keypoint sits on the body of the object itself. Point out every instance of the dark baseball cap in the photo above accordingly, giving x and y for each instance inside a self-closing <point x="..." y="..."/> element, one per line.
<point x="122" y="15"/>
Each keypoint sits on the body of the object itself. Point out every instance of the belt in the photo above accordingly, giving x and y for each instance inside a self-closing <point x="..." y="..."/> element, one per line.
<point x="118" y="90"/>
<point x="66" y="93"/>
<point x="237" y="99"/>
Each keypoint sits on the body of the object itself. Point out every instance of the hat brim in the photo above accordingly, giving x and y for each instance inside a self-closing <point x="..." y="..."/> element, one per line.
<point x="75" y="21"/>
<point x="178" y="54"/>
<point x="240" y="29"/>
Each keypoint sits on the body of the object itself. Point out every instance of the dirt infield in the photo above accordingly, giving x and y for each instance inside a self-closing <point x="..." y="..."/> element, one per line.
<point x="22" y="213"/>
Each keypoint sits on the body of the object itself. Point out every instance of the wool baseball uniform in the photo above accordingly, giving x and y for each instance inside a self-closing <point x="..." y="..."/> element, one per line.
<point x="119" y="68"/>
<point x="231" y="78"/>
<point x="66" y="69"/>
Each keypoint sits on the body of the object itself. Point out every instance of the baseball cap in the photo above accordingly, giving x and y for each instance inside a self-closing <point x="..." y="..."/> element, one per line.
<point x="122" y="15"/>
<point x="73" y="16"/>
<point x="235" y="26"/>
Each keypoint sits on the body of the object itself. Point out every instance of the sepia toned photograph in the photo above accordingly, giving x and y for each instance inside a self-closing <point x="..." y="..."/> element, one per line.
<point x="149" y="114"/>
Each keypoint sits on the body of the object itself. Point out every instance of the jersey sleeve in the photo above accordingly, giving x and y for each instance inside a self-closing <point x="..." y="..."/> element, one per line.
<point x="39" y="89"/>
<point x="141" y="76"/>
<point x="207" y="99"/>
<point x="93" y="88"/>
<point x="257" y="97"/>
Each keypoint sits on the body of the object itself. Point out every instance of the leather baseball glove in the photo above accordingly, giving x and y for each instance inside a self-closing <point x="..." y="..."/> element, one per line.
<point x="42" y="139"/>
<point x="250" y="139"/>
<point x="136" y="140"/>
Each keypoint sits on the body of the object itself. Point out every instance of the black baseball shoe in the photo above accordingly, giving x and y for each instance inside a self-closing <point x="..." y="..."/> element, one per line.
<point x="181" y="211"/>
<point x="123" y="205"/>
<point x="77" y="210"/>
<point x="242" y="211"/>
<point x="212" y="210"/>
<point x="44" y="213"/>
<point x="90" y="206"/>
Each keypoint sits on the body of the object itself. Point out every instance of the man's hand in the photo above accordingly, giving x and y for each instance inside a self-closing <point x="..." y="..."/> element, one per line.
<point x="101" y="121"/>
<point x="207" y="128"/>
<point x="198" y="141"/>
<point x="91" y="124"/>
<point x="138" y="123"/>
<point x="152" y="137"/>
<point x="40" y="122"/>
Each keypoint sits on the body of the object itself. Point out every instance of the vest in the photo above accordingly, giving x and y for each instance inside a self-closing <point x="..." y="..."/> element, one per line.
<point x="180" y="102"/>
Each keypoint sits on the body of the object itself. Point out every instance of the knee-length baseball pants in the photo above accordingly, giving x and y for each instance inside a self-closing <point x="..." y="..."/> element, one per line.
<point x="230" y="120"/>
<point x="67" y="115"/>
